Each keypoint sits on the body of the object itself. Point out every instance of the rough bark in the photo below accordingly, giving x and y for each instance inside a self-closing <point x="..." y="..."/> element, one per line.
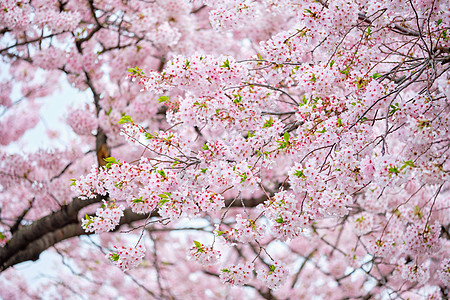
<point x="31" y="240"/>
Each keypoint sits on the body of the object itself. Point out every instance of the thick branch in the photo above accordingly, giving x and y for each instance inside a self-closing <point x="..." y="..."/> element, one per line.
<point x="48" y="224"/>
<point x="35" y="248"/>
<point x="30" y="241"/>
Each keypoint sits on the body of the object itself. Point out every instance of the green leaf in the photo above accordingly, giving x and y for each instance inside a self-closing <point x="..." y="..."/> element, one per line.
<point x="237" y="98"/>
<point x="163" y="99"/>
<point x="187" y="63"/>
<point x="376" y="75"/>
<point x="408" y="163"/>
<point x="279" y="220"/>
<point x="304" y="101"/>
<point x="118" y="184"/>
<point x="268" y="123"/>
<point x="162" y="202"/>
<point x="204" y="170"/>
<point x="226" y="64"/>
<point x="393" y="170"/>
<point x="439" y="22"/>
<point x="418" y="212"/>
<point x="162" y="173"/>
<point x="243" y="177"/>
<point x="125" y="119"/>
<point x="198" y="245"/>
<point x="299" y="174"/>
<point x="394" y="108"/>
<point x="109" y="111"/>
<point x="225" y="270"/>
<point x="110" y="160"/>
<point x="164" y="195"/>
<point x="205" y="147"/>
<point x="283" y="145"/>
<point x="74" y="182"/>
<point x="136" y="71"/>
<point x="138" y="200"/>
<point x="176" y="161"/>
<point x="114" y="257"/>
<point x="148" y="136"/>
<point x="346" y="71"/>
<point x="332" y="63"/>
<point x="286" y="137"/>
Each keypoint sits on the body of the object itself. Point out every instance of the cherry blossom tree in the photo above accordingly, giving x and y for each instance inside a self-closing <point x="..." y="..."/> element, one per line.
<point x="250" y="149"/>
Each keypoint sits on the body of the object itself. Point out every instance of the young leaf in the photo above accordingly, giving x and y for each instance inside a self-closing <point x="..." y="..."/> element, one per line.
<point x="114" y="257"/>
<point x="226" y="64"/>
<point x="279" y="220"/>
<point x="163" y="99"/>
<point x="162" y="202"/>
<point x="376" y="75"/>
<point x="198" y="245"/>
<point x="125" y="119"/>
<point x="110" y="160"/>
<point x="268" y="123"/>
<point x="138" y="200"/>
<point x="286" y="137"/>
<point x="299" y="174"/>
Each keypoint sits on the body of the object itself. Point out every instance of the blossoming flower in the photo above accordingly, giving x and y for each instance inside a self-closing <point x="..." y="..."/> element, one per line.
<point x="127" y="257"/>
<point x="273" y="278"/>
<point x="204" y="255"/>
<point x="237" y="274"/>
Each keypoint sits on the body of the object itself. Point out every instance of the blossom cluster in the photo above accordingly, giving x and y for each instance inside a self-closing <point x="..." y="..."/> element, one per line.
<point x="82" y="121"/>
<point x="287" y="220"/>
<point x="204" y="255"/>
<point x="5" y="236"/>
<point x="444" y="272"/>
<point x="239" y="274"/>
<point x="106" y="219"/>
<point x="273" y="278"/>
<point x="127" y="257"/>
<point x="316" y="131"/>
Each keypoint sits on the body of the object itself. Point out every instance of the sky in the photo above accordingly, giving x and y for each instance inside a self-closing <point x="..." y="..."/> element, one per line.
<point x="52" y="114"/>
<point x="53" y="111"/>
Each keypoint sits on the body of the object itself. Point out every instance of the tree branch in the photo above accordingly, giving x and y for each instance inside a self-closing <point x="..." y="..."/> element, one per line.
<point x="29" y="234"/>
<point x="30" y="241"/>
